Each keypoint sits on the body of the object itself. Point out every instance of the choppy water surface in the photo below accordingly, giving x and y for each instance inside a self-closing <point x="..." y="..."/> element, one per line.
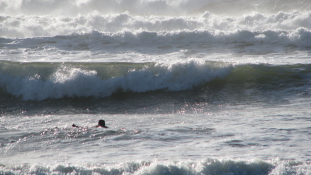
<point x="185" y="87"/>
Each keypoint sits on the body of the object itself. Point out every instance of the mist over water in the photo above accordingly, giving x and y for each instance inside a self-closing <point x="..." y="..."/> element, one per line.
<point x="186" y="87"/>
<point x="156" y="31"/>
<point x="157" y="8"/>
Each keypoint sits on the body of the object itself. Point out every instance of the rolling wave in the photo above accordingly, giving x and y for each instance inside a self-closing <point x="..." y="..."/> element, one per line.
<point x="40" y="81"/>
<point x="208" y="166"/>
<point x="105" y="36"/>
<point x="148" y="7"/>
<point x="82" y="81"/>
<point x="150" y="43"/>
<point x="49" y="26"/>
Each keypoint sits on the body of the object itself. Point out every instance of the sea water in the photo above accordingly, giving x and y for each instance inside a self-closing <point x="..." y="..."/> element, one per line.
<point x="185" y="87"/>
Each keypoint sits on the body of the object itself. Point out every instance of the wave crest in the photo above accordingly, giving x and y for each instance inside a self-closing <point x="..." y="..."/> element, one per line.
<point x="69" y="81"/>
<point x="209" y="166"/>
<point x="147" y="7"/>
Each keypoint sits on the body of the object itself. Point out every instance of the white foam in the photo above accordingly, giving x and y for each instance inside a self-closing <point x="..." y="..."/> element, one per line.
<point x="147" y="7"/>
<point x="30" y="26"/>
<point x="76" y="82"/>
<point x="156" y="36"/>
<point x="167" y="47"/>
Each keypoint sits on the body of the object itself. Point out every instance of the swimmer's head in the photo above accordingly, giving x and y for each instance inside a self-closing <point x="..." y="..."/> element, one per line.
<point x="101" y="123"/>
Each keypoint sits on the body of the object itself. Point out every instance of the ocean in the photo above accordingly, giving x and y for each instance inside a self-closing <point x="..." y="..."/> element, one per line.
<point x="196" y="87"/>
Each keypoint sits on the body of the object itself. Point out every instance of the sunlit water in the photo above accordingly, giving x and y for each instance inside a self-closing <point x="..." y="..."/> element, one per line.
<point x="185" y="87"/>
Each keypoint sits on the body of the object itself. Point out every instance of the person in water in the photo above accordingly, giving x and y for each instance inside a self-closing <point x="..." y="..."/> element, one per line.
<point x="101" y="123"/>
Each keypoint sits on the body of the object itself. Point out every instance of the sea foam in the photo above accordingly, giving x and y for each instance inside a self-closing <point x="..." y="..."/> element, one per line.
<point x="39" y="26"/>
<point x="78" y="82"/>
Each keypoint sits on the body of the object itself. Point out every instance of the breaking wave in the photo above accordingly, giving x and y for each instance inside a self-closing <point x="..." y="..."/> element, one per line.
<point x="147" y="7"/>
<point x="49" y="26"/>
<point x="209" y="166"/>
<point x="39" y="81"/>
<point x="68" y="81"/>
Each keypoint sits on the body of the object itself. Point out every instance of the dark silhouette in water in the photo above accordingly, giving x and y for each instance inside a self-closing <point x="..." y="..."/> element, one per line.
<point x="73" y="125"/>
<point x="101" y="123"/>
